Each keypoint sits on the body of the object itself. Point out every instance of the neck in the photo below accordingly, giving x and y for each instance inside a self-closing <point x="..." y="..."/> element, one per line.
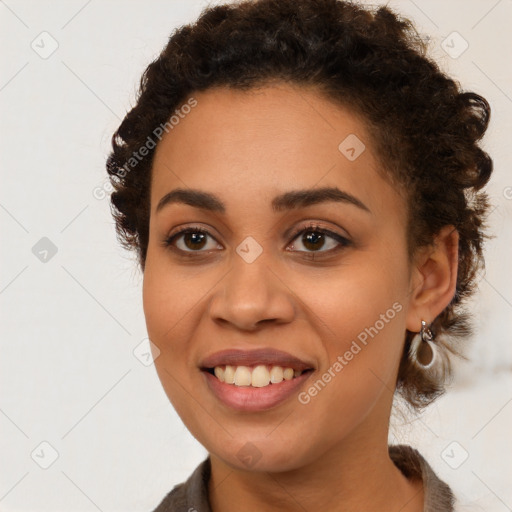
<point x="358" y="474"/>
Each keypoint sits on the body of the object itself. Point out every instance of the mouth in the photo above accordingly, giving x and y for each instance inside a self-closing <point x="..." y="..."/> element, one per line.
<point x="254" y="380"/>
<point x="258" y="376"/>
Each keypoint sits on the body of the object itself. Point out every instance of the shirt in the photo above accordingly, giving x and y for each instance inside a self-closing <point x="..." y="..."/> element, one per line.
<point x="192" y="495"/>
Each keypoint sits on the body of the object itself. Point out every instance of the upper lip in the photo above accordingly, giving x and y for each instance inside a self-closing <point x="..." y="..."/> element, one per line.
<point x="264" y="356"/>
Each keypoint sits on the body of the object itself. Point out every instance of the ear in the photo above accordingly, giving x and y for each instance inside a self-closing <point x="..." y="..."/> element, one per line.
<point x="433" y="278"/>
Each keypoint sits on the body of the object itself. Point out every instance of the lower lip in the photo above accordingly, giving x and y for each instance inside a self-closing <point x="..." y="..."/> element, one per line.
<point x="248" y="398"/>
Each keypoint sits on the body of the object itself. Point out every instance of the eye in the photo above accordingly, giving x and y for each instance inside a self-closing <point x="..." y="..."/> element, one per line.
<point x="314" y="238"/>
<point x="191" y="239"/>
<point x="317" y="239"/>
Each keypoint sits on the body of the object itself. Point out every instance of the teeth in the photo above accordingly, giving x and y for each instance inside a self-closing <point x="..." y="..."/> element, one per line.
<point x="229" y="374"/>
<point x="257" y="377"/>
<point x="276" y="374"/>
<point x="219" y="373"/>
<point x="243" y="376"/>
<point x="260" y="377"/>
<point x="288" y="374"/>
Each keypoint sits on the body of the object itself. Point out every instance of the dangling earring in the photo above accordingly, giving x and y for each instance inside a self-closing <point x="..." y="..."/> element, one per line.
<point x="423" y="351"/>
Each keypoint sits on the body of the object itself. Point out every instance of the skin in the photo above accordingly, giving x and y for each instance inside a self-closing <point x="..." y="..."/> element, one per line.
<point x="246" y="147"/>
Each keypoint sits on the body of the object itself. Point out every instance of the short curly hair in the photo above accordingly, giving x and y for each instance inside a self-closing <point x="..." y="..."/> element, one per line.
<point x="424" y="128"/>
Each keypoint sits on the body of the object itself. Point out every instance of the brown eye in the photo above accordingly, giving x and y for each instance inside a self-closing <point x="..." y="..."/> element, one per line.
<point x="317" y="239"/>
<point x="192" y="239"/>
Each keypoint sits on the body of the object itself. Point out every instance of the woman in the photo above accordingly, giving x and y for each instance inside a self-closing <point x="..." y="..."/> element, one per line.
<point x="303" y="188"/>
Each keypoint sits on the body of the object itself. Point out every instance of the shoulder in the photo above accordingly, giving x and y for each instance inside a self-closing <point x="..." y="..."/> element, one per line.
<point x="189" y="496"/>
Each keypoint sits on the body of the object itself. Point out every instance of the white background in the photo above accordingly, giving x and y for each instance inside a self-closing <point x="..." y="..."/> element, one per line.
<point x="69" y="326"/>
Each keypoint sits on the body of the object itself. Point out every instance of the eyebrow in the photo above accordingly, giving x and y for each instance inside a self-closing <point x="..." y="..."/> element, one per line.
<point x="287" y="201"/>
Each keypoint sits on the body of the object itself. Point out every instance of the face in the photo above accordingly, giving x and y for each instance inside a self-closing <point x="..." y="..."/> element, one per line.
<point x="293" y="256"/>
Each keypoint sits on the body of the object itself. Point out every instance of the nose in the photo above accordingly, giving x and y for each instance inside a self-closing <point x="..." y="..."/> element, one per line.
<point x="251" y="294"/>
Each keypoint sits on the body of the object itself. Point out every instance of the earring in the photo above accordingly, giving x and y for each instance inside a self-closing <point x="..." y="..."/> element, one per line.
<point x="423" y="351"/>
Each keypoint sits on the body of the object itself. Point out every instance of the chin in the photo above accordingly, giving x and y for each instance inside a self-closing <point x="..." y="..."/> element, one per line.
<point x="262" y="454"/>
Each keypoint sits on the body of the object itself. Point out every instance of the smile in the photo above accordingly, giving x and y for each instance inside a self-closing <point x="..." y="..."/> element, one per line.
<point x="257" y="377"/>
<point x="254" y="380"/>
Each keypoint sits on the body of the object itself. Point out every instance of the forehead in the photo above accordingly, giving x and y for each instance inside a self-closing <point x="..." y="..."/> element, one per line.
<point x="249" y="146"/>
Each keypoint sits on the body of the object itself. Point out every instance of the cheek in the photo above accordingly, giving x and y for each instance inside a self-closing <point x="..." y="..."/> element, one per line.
<point x="358" y="302"/>
<point x="362" y="346"/>
<point x="172" y="302"/>
<point x="359" y="315"/>
<point x="170" y="297"/>
<point x="165" y="311"/>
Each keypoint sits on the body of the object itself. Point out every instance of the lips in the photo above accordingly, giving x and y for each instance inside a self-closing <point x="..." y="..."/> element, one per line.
<point x="240" y="391"/>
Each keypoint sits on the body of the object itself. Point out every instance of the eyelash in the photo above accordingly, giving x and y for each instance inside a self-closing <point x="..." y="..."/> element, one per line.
<point x="342" y="241"/>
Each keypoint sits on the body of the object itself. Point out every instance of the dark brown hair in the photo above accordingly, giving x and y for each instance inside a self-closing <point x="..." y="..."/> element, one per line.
<point x="424" y="127"/>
